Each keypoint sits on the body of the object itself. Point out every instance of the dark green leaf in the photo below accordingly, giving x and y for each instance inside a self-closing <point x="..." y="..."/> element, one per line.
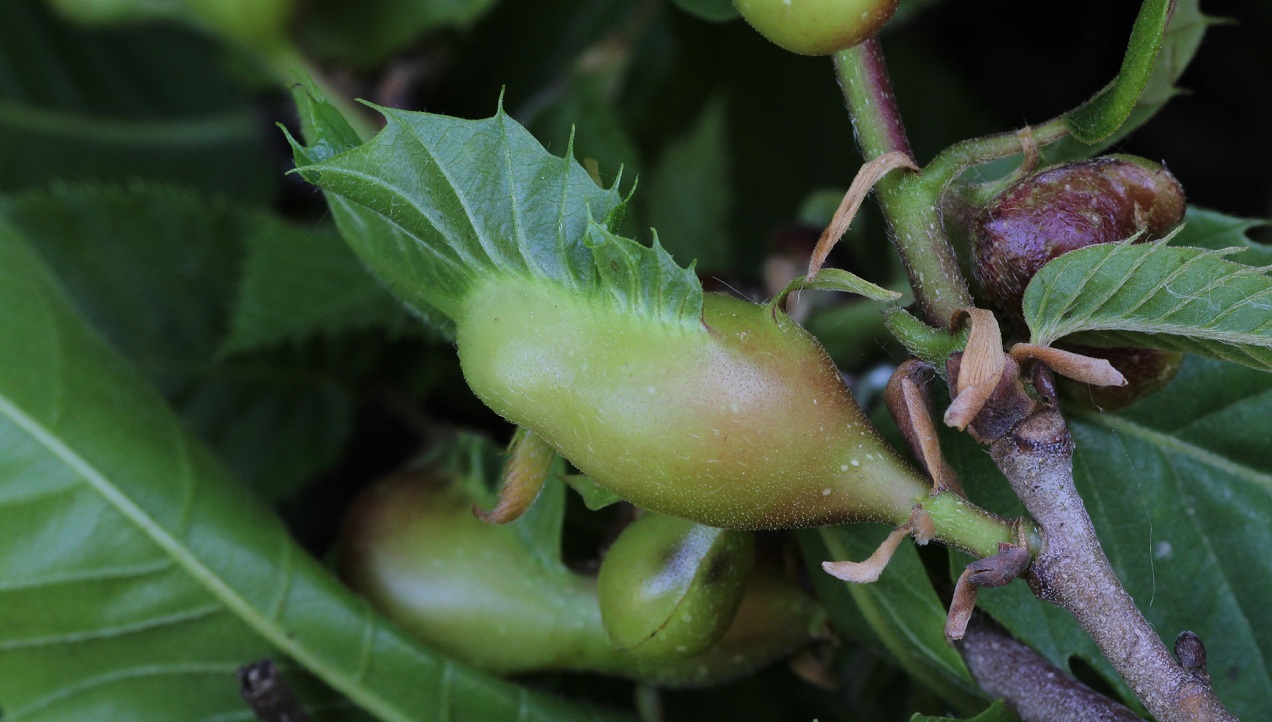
<point x="689" y="198"/>
<point x="368" y="33"/>
<point x="138" y="572"/>
<point x="155" y="270"/>
<point x="475" y="200"/>
<point x="302" y="282"/>
<point x="901" y="609"/>
<point x="716" y="11"/>
<point x="1101" y="116"/>
<point x="112" y="104"/>
<point x="1152" y="294"/>
<point x="1218" y="231"/>
<point x="580" y="113"/>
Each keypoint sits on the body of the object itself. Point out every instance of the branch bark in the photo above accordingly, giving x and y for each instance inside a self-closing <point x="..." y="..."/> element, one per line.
<point x="1072" y="571"/>
<point x="1033" y="688"/>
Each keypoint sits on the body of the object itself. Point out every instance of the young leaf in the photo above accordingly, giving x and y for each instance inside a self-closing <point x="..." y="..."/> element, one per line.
<point x="298" y="283"/>
<point x="1103" y="114"/>
<point x="594" y="495"/>
<point x="139" y="575"/>
<point x="473" y="200"/>
<point x="1183" y="299"/>
<point x="836" y="279"/>
<point x="155" y="270"/>
<point x="77" y="104"/>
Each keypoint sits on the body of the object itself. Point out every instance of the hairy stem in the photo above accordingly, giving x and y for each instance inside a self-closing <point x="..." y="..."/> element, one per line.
<point x="1032" y="687"/>
<point x="951" y="162"/>
<point x="1072" y="572"/>
<point x="911" y="210"/>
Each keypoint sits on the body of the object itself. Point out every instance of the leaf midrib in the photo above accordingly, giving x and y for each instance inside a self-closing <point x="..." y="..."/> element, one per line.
<point x="192" y="564"/>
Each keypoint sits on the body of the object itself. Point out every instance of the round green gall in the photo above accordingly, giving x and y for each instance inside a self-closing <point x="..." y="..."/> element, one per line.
<point x="816" y="27"/>
<point x="669" y="588"/>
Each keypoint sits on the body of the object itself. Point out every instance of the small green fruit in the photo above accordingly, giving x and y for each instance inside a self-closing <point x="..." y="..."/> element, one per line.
<point x="816" y="27"/>
<point x="669" y="588"/>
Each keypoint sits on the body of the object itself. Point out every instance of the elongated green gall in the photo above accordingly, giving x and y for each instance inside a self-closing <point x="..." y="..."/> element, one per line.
<point x="741" y="421"/>
<point x="474" y="591"/>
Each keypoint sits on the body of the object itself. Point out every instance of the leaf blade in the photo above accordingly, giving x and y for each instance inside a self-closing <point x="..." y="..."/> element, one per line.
<point x="177" y="512"/>
<point x="472" y="200"/>
<point x="1155" y="295"/>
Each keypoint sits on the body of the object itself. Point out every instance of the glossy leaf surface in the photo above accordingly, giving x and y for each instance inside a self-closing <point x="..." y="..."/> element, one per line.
<point x="155" y="270"/>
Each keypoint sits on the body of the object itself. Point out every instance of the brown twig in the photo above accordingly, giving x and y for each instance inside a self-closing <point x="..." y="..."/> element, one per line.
<point x="1031" y="445"/>
<point x="267" y="694"/>
<point x="1033" y="688"/>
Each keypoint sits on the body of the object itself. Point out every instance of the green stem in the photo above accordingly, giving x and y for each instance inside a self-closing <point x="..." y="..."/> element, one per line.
<point x="961" y="524"/>
<point x="946" y="167"/>
<point x="910" y="208"/>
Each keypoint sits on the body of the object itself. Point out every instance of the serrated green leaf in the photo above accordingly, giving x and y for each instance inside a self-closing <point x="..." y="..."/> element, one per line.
<point x="1154" y="295"/>
<point x="477" y="200"/>
<point x="79" y="104"/>
<point x="689" y="199"/>
<point x="303" y="282"/>
<point x="580" y="112"/>
<point x="139" y="574"/>
<point x="1103" y="114"/>
<point x="901" y="609"/>
<point x="1179" y="488"/>
<point x="996" y="712"/>
<point x="155" y="270"/>
<point x="1217" y="231"/>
